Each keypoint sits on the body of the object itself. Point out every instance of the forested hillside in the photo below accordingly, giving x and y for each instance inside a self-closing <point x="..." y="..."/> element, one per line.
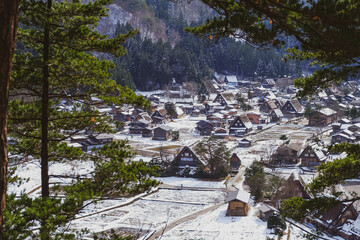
<point x="163" y="50"/>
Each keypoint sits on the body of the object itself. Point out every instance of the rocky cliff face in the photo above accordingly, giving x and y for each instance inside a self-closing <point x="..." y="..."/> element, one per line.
<point x="191" y="11"/>
<point x="144" y="19"/>
<point x="117" y="14"/>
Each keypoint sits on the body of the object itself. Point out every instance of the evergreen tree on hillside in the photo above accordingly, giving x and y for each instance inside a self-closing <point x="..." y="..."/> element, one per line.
<point x="193" y="59"/>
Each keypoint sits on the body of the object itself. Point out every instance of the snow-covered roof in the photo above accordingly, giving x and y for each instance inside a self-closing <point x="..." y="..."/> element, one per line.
<point x="74" y="144"/>
<point x="347" y="132"/>
<point x="218" y="115"/>
<point x="278" y="112"/>
<point x="345" y="136"/>
<point x="139" y="158"/>
<point x="231" y="78"/>
<point x="238" y="195"/>
<point x="179" y="111"/>
<point x="327" y="111"/>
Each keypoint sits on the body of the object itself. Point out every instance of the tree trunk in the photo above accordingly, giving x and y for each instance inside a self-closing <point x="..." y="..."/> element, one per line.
<point x="45" y="192"/>
<point x="9" y="11"/>
<point x="45" y="113"/>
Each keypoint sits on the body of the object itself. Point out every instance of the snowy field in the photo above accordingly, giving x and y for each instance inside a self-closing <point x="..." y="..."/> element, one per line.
<point x="189" y="196"/>
<point x="31" y="172"/>
<point x="215" y="225"/>
<point x="191" y="182"/>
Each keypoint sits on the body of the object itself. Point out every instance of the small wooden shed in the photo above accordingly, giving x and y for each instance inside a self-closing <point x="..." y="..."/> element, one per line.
<point x="238" y="203"/>
<point x="266" y="211"/>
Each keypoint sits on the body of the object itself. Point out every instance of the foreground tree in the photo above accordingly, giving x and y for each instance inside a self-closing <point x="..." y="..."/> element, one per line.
<point x="216" y="155"/>
<point x="56" y="66"/>
<point x="323" y="188"/>
<point x="9" y="11"/>
<point x="326" y="32"/>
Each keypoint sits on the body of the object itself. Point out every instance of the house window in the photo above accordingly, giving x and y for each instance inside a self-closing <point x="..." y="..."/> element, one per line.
<point x="186" y="154"/>
<point x="306" y="155"/>
<point x="311" y="155"/>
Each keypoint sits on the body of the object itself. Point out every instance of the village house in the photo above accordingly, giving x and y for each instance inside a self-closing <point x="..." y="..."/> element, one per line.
<point x="276" y="115"/>
<point x="137" y="127"/>
<point x="259" y="92"/>
<point x="212" y="107"/>
<point x="220" y="133"/>
<point x="205" y="128"/>
<point x="284" y="155"/>
<point x="186" y="158"/>
<point x="245" y="143"/>
<point x="292" y="108"/>
<point x="354" y="127"/>
<point x="125" y="116"/>
<point x="231" y="80"/>
<point x="292" y="186"/>
<point x="312" y="156"/>
<point x="268" y="106"/>
<point x="265" y="211"/>
<point x="235" y="163"/>
<point x="216" y="119"/>
<point x="322" y="117"/>
<point x="238" y="203"/>
<point x="268" y="83"/>
<point x="333" y="220"/>
<point x="95" y="141"/>
<point x="240" y="125"/>
<point x="225" y="99"/>
<point x="161" y="133"/>
<point x="159" y="116"/>
<point x="143" y="115"/>
<point x="254" y="117"/>
<point x="344" y="136"/>
<point x="147" y="132"/>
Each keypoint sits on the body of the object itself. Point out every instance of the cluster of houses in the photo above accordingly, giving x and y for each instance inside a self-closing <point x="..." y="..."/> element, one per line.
<point x="270" y="101"/>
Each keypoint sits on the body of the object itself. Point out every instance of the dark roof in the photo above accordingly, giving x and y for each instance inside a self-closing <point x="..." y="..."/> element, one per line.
<point x="203" y="123"/>
<point x="186" y="148"/>
<point x="334" y="213"/>
<point x="234" y="155"/>
<point x="244" y="119"/>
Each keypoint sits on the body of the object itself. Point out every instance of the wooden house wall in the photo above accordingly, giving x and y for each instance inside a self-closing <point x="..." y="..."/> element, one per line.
<point x="160" y="134"/>
<point x="237" y="208"/>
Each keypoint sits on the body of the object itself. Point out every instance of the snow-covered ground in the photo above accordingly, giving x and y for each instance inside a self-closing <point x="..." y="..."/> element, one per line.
<point x="191" y="182"/>
<point x="216" y="225"/>
<point x="31" y="172"/>
<point x="152" y="211"/>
